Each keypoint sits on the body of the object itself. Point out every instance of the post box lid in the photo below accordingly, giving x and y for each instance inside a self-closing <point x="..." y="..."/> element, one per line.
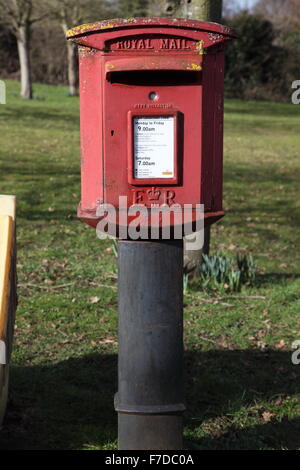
<point x="148" y="23"/>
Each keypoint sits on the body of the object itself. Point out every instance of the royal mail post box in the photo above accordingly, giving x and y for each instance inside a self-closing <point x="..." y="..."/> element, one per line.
<point x="151" y="112"/>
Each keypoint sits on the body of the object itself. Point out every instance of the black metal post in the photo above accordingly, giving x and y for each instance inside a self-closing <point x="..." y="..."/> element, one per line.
<point x="149" y="401"/>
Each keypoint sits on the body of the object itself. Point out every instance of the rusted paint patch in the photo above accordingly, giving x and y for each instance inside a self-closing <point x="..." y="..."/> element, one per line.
<point x="99" y="25"/>
<point x="215" y="37"/>
<point x="163" y="22"/>
<point x="194" y="67"/>
<point x="200" y="47"/>
<point x="86" y="51"/>
<point x="81" y="29"/>
<point x="226" y="30"/>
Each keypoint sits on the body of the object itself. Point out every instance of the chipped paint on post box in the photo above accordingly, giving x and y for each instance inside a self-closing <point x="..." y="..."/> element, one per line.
<point x="165" y="76"/>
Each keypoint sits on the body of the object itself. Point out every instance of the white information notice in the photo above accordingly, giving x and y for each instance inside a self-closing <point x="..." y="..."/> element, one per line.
<point x="153" y="147"/>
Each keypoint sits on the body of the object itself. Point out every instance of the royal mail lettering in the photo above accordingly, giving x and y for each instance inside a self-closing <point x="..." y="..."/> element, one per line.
<point x="174" y="44"/>
<point x="152" y="44"/>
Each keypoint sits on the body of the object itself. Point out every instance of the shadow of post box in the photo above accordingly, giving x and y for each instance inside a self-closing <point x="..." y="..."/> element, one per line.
<point x="151" y="112"/>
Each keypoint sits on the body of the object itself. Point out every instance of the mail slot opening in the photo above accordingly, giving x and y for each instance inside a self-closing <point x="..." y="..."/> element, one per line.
<point x="155" y="77"/>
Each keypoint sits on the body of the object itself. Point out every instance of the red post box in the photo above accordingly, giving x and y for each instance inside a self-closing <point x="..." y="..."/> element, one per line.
<point x="151" y="110"/>
<point x="151" y="98"/>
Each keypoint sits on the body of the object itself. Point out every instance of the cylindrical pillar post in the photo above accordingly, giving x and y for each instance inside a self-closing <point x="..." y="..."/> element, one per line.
<point x="150" y="366"/>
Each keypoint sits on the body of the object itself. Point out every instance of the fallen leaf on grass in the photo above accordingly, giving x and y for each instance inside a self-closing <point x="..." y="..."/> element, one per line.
<point x="280" y="345"/>
<point x="107" y="341"/>
<point x="104" y="341"/>
<point x="261" y="333"/>
<point x="94" y="300"/>
<point x="267" y="416"/>
<point x="65" y="341"/>
<point x="279" y="400"/>
<point x="261" y="344"/>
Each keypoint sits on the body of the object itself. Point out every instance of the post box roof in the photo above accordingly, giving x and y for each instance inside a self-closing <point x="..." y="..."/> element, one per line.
<point x="131" y="23"/>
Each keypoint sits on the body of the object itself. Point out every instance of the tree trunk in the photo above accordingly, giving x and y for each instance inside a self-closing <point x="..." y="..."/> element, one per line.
<point x="23" y="40"/>
<point x="209" y="10"/>
<point x="205" y="10"/>
<point x="72" y="64"/>
<point x="72" y="68"/>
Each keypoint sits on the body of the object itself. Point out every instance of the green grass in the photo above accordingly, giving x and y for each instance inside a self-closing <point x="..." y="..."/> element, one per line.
<point x="242" y="390"/>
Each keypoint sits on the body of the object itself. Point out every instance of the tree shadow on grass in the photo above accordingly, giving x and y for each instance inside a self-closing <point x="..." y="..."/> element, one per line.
<point x="55" y="180"/>
<point x="221" y="384"/>
<point x="268" y="279"/>
<point x="279" y="435"/>
<point x="69" y="405"/>
<point x="26" y="114"/>
<point x="261" y="108"/>
<point x="264" y="217"/>
<point x="261" y="281"/>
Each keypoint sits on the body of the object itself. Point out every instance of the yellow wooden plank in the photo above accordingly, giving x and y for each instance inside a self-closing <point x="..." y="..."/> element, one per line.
<point x="8" y="205"/>
<point x="7" y="227"/>
<point x="6" y="245"/>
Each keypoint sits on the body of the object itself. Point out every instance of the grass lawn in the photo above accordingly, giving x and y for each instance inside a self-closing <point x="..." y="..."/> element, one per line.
<point x="242" y="389"/>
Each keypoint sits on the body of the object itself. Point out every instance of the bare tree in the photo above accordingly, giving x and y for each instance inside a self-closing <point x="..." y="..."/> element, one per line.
<point x="19" y="15"/>
<point x="205" y="10"/>
<point x="70" y="13"/>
